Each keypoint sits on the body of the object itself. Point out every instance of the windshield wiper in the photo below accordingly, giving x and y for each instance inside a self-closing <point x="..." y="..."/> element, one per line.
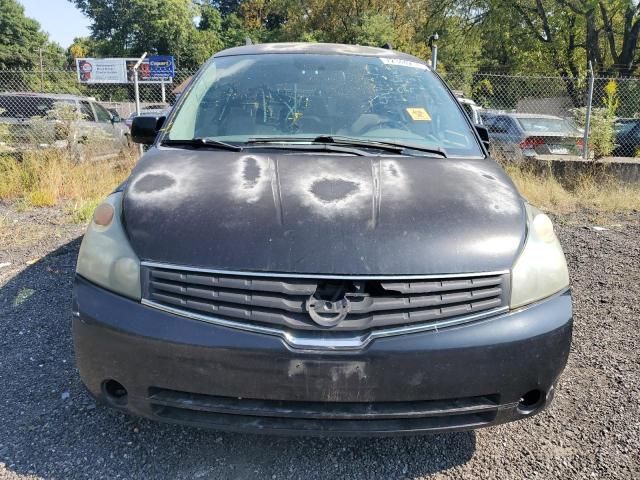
<point x="202" y="142"/>
<point x="309" y="146"/>
<point x="393" y="147"/>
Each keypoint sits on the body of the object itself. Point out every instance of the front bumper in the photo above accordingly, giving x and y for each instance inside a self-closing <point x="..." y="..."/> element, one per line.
<point x="186" y="371"/>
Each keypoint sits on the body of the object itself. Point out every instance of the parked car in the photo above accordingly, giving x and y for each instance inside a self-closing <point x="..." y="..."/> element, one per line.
<point x="31" y="122"/>
<point x="472" y="109"/>
<point x="519" y="135"/>
<point x="627" y="140"/>
<point x="148" y="112"/>
<point x="317" y="242"/>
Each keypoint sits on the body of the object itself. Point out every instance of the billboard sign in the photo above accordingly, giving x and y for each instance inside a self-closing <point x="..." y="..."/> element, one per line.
<point x="162" y="66"/>
<point x="101" y="70"/>
<point x="120" y="70"/>
<point x="144" y="72"/>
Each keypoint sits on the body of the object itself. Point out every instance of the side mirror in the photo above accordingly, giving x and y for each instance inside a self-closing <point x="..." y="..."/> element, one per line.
<point x="483" y="133"/>
<point x="115" y="118"/>
<point x="144" y="130"/>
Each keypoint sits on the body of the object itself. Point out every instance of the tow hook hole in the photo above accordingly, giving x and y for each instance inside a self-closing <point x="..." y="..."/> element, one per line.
<point x="114" y="392"/>
<point x="531" y="401"/>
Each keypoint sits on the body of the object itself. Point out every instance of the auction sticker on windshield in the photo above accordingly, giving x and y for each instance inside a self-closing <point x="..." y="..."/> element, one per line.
<point x="404" y="63"/>
<point x="419" y="114"/>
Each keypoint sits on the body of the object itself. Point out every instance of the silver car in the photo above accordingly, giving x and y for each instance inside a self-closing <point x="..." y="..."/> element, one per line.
<point x="33" y="120"/>
<point x="518" y="135"/>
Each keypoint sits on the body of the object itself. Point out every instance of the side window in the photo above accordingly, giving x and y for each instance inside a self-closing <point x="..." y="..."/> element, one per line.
<point x="511" y="126"/>
<point x="102" y="114"/>
<point x="501" y="125"/>
<point x="87" y="111"/>
<point x="488" y="120"/>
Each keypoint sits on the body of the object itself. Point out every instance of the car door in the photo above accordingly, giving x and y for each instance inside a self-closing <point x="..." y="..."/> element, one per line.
<point x="498" y="130"/>
<point x="111" y="131"/>
<point x="505" y="136"/>
<point x="88" y="123"/>
<point x="627" y="139"/>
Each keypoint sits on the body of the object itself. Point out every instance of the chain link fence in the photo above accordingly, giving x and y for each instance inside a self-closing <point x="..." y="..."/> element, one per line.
<point x="537" y="115"/>
<point x="51" y="110"/>
<point x="534" y="115"/>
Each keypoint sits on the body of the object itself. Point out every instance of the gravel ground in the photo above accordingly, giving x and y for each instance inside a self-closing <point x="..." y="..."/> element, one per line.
<point x="49" y="427"/>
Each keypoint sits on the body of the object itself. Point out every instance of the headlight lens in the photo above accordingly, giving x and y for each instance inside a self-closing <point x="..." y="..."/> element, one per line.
<point x="105" y="257"/>
<point x="541" y="269"/>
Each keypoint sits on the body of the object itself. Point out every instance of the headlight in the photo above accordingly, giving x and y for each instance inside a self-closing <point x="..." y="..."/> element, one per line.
<point x="105" y="257"/>
<point x="541" y="269"/>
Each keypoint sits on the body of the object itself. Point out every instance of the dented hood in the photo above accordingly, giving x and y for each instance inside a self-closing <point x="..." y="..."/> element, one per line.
<point x="329" y="214"/>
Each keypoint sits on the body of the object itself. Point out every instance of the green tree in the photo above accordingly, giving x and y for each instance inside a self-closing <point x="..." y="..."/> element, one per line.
<point x="21" y="40"/>
<point x="135" y="26"/>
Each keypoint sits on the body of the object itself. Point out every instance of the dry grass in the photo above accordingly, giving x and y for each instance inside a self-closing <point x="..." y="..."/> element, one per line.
<point x="546" y="192"/>
<point x="50" y="177"/>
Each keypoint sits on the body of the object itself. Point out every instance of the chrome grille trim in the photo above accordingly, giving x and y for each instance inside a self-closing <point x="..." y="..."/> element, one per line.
<point x="247" y="301"/>
<point x="298" y="341"/>
<point x="315" y="276"/>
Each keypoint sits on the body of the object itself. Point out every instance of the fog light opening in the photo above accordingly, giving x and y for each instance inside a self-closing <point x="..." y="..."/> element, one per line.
<point x="114" y="392"/>
<point x="531" y="401"/>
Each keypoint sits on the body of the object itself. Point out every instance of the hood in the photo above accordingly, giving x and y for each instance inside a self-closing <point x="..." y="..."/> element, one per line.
<point x="322" y="214"/>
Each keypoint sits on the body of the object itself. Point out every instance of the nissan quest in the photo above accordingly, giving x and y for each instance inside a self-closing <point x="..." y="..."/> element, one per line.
<point x="317" y="242"/>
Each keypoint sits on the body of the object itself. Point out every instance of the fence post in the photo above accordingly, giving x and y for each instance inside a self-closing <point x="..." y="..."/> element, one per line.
<point x="136" y="87"/>
<point x="41" y="72"/>
<point x="587" y="123"/>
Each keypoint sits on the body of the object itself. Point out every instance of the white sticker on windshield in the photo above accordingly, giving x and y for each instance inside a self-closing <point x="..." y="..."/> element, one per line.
<point x="404" y="63"/>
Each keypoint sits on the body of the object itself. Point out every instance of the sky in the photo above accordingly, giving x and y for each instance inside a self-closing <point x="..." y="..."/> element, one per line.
<point x="59" y="18"/>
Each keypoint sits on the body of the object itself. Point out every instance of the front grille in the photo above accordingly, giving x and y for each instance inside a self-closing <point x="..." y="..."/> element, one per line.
<point x="360" y="304"/>
<point x="328" y="417"/>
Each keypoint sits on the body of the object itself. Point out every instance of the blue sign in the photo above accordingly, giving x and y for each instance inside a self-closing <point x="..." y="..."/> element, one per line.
<point x="162" y="66"/>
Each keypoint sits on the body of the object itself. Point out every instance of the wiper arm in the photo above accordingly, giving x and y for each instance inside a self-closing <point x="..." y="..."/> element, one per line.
<point x="202" y="142"/>
<point x="323" y="140"/>
<point x="400" y="147"/>
<point x="307" y="146"/>
<point x="350" y="141"/>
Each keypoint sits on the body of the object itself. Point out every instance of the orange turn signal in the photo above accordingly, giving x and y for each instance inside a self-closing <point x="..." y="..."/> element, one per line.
<point x="103" y="215"/>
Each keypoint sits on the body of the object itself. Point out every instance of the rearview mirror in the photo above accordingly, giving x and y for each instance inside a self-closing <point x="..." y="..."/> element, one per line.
<point x="144" y="130"/>
<point x="483" y="133"/>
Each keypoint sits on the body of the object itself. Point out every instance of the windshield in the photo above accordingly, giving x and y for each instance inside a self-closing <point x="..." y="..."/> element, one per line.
<point x="547" y="125"/>
<point x="305" y="96"/>
<point x="623" y="127"/>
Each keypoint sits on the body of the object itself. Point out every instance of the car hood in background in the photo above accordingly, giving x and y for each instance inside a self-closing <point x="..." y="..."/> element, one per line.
<point x="324" y="214"/>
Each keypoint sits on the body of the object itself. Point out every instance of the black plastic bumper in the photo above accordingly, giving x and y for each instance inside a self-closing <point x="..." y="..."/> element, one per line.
<point x="187" y="371"/>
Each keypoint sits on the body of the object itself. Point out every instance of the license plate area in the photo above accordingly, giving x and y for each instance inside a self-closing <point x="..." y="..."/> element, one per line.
<point x="559" y="149"/>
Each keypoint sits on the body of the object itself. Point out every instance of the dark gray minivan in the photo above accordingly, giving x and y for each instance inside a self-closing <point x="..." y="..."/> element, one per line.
<point x="317" y="242"/>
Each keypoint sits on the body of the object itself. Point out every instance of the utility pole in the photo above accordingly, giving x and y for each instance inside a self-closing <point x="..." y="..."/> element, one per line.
<point x="433" y="44"/>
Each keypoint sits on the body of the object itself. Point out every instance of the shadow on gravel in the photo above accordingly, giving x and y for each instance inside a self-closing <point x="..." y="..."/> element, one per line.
<point x="49" y="426"/>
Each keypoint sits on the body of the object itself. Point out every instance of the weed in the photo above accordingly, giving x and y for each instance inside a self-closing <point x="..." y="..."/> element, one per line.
<point x="49" y="177"/>
<point x="546" y="192"/>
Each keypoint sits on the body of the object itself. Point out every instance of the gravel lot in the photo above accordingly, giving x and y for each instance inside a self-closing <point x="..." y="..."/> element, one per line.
<point x="49" y="427"/>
